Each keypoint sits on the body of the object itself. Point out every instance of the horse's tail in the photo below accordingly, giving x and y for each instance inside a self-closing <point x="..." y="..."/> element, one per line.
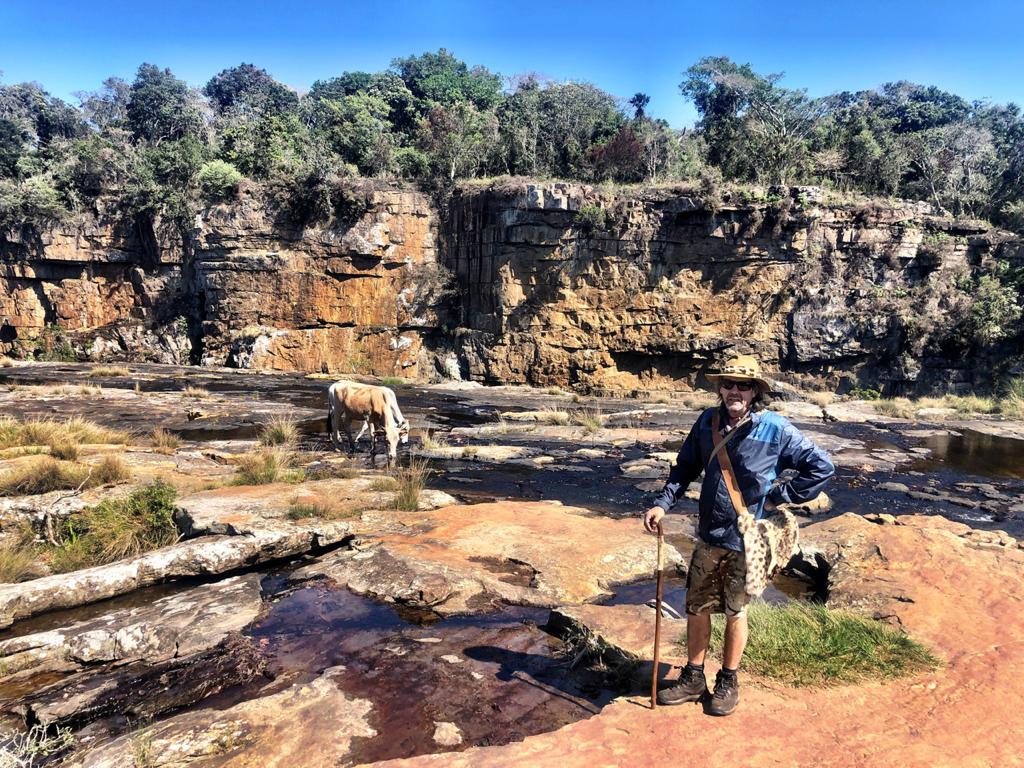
<point x="329" y="424"/>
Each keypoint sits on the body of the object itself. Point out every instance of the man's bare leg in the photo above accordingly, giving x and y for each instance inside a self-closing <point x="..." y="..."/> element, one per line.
<point x="698" y="637"/>
<point x="735" y="641"/>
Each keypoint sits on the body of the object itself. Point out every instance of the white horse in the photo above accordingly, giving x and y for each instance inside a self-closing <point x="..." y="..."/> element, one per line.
<point x="375" y="406"/>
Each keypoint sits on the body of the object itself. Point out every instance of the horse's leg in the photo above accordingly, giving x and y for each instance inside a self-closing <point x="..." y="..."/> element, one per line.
<point x="332" y="426"/>
<point x="346" y="423"/>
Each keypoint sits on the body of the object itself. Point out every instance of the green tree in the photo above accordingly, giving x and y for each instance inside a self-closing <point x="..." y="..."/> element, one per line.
<point x="440" y="78"/>
<point x="457" y="139"/>
<point x="250" y="89"/>
<point x="160" y="107"/>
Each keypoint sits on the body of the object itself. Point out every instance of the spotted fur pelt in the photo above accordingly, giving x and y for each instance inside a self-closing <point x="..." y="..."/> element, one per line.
<point x="769" y="544"/>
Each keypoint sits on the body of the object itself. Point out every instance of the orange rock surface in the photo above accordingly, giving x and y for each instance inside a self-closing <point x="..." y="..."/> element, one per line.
<point x="947" y="586"/>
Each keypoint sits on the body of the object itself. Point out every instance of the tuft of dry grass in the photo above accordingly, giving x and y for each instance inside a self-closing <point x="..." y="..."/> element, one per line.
<point x="384" y="484"/>
<point x="591" y="419"/>
<point x="164" y="441"/>
<point x="17" y="558"/>
<point x="431" y="442"/>
<point x="553" y="416"/>
<point x="52" y="432"/>
<point x="698" y="400"/>
<point x="65" y="450"/>
<point x="197" y="393"/>
<point x="279" y="431"/>
<point x="267" y="465"/>
<point x="43" y="475"/>
<point x="820" y="399"/>
<point x="411" y="482"/>
<point x="320" y="508"/>
<point x="109" y="470"/>
<point x="897" y="407"/>
<point x="101" y="371"/>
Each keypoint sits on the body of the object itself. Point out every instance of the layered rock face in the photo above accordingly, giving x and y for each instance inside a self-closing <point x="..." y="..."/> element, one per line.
<point x="119" y="284"/>
<point x="339" y="300"/>
<point x="553" y="284"/>
<point x="561" y="284"/>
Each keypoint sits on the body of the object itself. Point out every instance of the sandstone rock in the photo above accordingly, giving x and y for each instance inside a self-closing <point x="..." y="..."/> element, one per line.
<point x="176" y="625"/>
<point x="452" y="559"/>
<point x="922" y="575"/>
<point x="309" y="724"/>
<point x="447" y="734"/>
<point x="199" y="557"/>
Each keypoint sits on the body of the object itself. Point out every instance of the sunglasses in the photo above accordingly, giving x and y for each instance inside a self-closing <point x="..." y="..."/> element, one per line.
<point x="742" y="386"/>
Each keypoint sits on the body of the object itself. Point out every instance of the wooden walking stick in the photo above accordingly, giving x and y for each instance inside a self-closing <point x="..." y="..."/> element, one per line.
<point x="657" y="618"/>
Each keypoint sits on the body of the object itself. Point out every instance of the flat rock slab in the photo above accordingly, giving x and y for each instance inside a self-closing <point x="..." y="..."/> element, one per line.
<point x="240" y="510"/>
<point x="454" y="559"/>
<point x="175" y="625"/>
<point x="927" y="575"/>
<point x="309" y="724"/>
<point x="199" y="557"/>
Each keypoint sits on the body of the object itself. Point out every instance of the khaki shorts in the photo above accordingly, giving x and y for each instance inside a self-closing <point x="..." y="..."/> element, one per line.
<point x="716" y="581"/>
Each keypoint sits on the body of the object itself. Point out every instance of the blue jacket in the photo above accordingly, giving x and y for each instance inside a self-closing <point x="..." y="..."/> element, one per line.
<point x="764" y="447"/>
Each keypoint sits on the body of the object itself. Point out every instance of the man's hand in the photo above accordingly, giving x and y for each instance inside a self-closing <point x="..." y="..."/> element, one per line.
<point x="652" y="517"/>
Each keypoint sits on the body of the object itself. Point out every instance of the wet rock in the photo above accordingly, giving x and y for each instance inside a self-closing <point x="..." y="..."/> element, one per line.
<point x="140" y="691"/>
<point x="200" y="557"/>
<point x="176" y="625"/>
<point x="309" y="724"/>
<point x="450" y="560"/>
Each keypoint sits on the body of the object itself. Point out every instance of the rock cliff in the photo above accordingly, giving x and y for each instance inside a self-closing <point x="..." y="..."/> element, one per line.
<point x="522" y="282"/>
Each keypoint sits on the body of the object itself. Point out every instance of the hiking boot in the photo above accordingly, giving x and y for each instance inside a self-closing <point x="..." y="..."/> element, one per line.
<point x="726" y="695"/>
<point x="691" y="686"/>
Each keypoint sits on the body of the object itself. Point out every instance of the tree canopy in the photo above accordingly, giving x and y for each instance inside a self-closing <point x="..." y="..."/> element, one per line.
<point x="160" y="146"/>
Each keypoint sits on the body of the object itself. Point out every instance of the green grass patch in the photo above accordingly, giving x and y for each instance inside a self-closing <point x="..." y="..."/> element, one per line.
<point x="117" y="528"/>
<point x="803" y="644"/>
<point x="267" y="465"/>
<point x="279" y="431"/>
<point x="392" y="381"/>
<point x="411" y="481"/>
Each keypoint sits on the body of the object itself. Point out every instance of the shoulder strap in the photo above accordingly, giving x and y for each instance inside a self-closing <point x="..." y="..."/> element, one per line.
<point x="726" y="464"/>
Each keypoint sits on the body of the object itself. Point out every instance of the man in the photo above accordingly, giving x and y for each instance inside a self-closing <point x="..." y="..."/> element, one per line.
<point x="760" y="444"/>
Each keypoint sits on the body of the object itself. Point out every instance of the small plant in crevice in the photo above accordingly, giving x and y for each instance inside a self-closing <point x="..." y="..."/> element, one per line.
<point x="117" y="528"/>
<point x="279" y="431"/>
<point x="411" y="481"/>
<point x="164" y="441"/>
<point x="267" y="465"/>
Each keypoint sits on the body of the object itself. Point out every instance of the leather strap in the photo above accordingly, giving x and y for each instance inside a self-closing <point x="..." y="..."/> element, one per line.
<point x="726" y="464"/>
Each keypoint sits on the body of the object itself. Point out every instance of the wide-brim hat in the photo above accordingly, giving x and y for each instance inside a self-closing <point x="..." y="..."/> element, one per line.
<point x="742" y="368"/>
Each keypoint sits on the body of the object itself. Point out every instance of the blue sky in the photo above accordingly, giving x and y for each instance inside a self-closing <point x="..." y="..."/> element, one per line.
<point x="974" y="49"/>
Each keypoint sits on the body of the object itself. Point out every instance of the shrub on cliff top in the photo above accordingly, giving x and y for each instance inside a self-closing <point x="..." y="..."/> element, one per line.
<point x="219" y="181"/>
<point x="811" y="645"/>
